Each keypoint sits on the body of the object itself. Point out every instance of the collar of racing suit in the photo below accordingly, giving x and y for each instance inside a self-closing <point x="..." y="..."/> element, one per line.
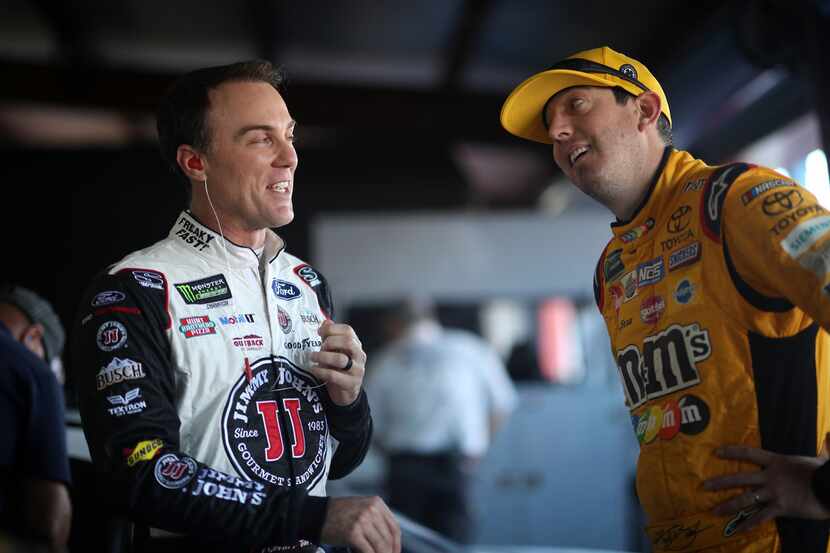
<point x="208" y="243"/>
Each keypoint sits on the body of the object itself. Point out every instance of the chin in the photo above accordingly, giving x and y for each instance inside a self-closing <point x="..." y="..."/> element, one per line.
<point x="282" y="219"/>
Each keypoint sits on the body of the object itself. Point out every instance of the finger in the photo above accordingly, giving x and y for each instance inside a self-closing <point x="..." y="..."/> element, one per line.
<point x="395" y="529"/>
<point x="363" y="545"/>
<point x="744" y="453"/>
<point x="332" y="328"/>
<point x="765" y="514"/>
<point x="342" y="343"/>
<point x="335" y="360"/>
<point x="742" y="502"/>
<point x="379" y="535"/>
<point x="741" y="479"/>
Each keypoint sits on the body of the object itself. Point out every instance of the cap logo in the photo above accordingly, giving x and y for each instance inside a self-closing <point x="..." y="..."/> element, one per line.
<point x="628" y="70"/>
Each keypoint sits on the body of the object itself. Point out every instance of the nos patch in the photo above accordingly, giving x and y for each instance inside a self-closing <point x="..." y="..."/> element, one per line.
<point x="254" y="425"/>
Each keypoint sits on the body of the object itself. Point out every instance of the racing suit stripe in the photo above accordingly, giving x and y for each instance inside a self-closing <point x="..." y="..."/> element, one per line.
<point x="785" y="385"/>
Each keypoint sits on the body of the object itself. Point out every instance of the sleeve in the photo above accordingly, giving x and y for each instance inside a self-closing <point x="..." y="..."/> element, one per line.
<point x="45" y="450"/>
<point x="778" y="240"/>
<point x="821" y="484"/>
<point x="127" y="393"/>
<point x="500" y="389"/>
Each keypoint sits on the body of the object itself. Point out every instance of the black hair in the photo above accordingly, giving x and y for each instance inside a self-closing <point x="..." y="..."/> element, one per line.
<point x="182" y="114"/>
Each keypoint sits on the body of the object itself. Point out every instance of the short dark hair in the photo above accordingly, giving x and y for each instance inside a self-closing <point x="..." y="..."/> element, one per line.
<point x="663" y="126"/>
<point x="182" y="114"/>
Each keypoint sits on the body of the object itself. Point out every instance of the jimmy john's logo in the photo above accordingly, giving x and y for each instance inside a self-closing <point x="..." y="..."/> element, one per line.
<point x="274" y="426"/>
<point x="206" y="290"/>
<point x="668" y="362"/>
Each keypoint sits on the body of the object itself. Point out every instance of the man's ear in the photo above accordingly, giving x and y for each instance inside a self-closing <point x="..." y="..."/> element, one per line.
<point x="191" y="162"/>
<point x="32" y="339"/>
<point x="649" y="106"/>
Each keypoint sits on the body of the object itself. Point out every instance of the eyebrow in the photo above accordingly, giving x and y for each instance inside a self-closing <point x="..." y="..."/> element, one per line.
<point x="268" y="128"/>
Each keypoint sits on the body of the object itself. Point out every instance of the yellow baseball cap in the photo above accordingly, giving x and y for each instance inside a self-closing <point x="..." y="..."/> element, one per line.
<point x="522" y="112"/>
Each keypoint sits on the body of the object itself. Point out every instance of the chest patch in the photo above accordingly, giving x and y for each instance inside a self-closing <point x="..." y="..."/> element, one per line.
<point x="274" y="427"/>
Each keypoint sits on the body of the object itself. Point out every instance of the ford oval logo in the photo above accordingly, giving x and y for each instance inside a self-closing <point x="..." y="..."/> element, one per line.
<point x="108" y="298"/>
<point x="285" y="290"/>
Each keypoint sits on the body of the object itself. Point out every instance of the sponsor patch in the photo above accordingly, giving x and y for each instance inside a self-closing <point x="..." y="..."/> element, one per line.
<point x="790" y="219"/>
<point x="679" y="220"/>
<point x="118" y="370"/>
<point x="149" y="279"/>
<point x="694" y="185"/>
<point x="196" y="326"/>
<point x="759" y="189"/>
<point x="308" y="274"/>
<point x="805" y="235"/>
<point x="212" y="483"/>
<point x="684" y="256"/>
<point x="613" y="265"/>
<point x="108" y="297"/>
<point x="285" y="290"/>
<point x="206" y="290"/>
<point x="111" y="336"/>
<point x="780" y="202"/>
<point x="652" y="309"/>
<point x="690" y="416"/>
<point x="310" y="318"/>
<point x="684" y="291"/>
<point x="650" y="272"/>
<point x="714" y="195"/>
<point x="264" y="433"/>
<point x="249" y="341"/>
<point x="674" y="241"/>
<point x="818" y="262"/>
<point x="638" y="231"/>
<point x="193" y="235"/>
<point x="667" y="363"/>
<point x="617" y="297"/>
<point x="630" y="286"/>
<point x="174" y="472"/>
<point x="304" y="344"/>
<point x="144" y="451"/>
<point x="284" y="320"/>
<point x="127" y="404"/>
<point x="241" y="319"/>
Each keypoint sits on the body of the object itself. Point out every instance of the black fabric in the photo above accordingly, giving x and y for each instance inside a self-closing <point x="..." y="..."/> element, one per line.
<point x="821" y="484"/>
<point x="31" y="425"/>
<point x="784" y="371"/>
<point x="588" y="66"/>
<point x="755" y="298"/>
<point x="432" y="490"/>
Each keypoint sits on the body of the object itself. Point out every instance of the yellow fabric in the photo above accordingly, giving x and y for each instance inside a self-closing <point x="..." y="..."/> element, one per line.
<point x="679" y="326"/>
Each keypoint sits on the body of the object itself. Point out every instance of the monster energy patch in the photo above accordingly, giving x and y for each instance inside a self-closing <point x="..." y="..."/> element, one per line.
<point x="207" y="290"/>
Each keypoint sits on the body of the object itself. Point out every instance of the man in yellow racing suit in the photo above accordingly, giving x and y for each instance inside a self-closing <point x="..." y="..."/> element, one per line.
<point x="715" y="291"/>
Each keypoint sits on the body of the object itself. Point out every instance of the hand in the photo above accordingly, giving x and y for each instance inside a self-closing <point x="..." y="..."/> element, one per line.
<point x="782" y="488"/>
<point x="365" y="523"/>
<point x="340" y="347"/>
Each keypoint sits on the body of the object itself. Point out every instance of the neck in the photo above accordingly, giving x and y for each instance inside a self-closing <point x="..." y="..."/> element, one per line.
<point x="227" y="227"/>
<point x="628" y="207"/>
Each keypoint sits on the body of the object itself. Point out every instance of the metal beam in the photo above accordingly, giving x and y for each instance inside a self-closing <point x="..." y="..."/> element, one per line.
<point x="463" y="40"/>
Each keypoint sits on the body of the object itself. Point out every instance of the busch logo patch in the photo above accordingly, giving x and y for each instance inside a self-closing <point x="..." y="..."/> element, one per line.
<point x="265" y="431"/>
<point x="117" y="371"/>
<point x="668" y="363"/>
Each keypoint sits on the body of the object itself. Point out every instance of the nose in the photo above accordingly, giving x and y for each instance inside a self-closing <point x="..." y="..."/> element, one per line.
<point x="285" y="155"/>
<point x="560" y="126"/>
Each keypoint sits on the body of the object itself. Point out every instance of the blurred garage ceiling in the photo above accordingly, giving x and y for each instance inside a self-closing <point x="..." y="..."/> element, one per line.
<point x="420" y="82"/>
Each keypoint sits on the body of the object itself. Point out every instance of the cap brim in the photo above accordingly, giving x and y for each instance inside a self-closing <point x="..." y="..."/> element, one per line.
<point x="521" y="113"/>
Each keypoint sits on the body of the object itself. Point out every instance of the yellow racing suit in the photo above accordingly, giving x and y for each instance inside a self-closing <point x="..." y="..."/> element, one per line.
<point x="716" y="297"/>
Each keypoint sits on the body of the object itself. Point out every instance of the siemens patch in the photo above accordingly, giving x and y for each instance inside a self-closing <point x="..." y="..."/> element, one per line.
<point x="805" y="235"/>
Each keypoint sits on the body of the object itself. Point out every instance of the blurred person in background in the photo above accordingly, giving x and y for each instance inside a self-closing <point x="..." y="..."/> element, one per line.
<point x="714" y="289"/>
<point x="217" y="394"/>
<point x="438" y="395"/>
<point x="34" y="466"/>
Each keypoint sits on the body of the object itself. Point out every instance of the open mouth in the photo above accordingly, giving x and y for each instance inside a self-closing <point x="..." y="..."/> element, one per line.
<point x="577" y="153"/>
<point x="280" y="187"/>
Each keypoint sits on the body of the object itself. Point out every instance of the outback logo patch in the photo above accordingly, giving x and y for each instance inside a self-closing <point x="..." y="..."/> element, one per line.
<point x="308" y="275"/>
<point x="266" y="433"/>
<point x="249" y="341"/>
<point x="285" y="290"/>
<point x="206" y="290"/>
<point x="196" y="326"/>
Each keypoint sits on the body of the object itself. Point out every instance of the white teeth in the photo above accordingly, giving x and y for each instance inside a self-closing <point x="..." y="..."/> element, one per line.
<point x="576" y="153"/>
<point x="281" y="186"/>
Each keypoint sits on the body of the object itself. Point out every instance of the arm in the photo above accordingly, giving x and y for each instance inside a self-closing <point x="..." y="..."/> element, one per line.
<point x="127" y="392"/>
<point x="47" y="510"/>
